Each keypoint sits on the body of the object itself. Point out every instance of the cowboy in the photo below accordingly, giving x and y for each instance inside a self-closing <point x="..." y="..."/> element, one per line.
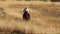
<point x="26" y="10"/>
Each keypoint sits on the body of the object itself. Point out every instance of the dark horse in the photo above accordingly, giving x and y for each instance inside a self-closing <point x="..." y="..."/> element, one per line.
<point x="26" y="16"/>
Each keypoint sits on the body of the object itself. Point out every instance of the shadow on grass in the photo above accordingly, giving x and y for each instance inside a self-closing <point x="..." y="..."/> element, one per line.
<point x="17" y="32"/>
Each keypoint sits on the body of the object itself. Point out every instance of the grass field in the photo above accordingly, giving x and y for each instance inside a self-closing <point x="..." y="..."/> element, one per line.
<point x="45" y="17"/>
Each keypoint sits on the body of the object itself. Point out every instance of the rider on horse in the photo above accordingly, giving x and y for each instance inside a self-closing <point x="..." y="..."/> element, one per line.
<point x="26" y="14"/>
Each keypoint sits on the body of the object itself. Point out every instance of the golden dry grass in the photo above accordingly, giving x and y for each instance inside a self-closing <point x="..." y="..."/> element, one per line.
<point x="45" y="17"/>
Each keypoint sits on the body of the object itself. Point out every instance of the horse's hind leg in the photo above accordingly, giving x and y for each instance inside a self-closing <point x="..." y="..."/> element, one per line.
<point x="28" y="16"/>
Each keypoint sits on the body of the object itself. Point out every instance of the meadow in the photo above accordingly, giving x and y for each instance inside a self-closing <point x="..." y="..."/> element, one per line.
<point x="45" y="17"/>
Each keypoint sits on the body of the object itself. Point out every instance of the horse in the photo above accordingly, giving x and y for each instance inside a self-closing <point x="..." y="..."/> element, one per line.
<point x="26" y="16"/>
